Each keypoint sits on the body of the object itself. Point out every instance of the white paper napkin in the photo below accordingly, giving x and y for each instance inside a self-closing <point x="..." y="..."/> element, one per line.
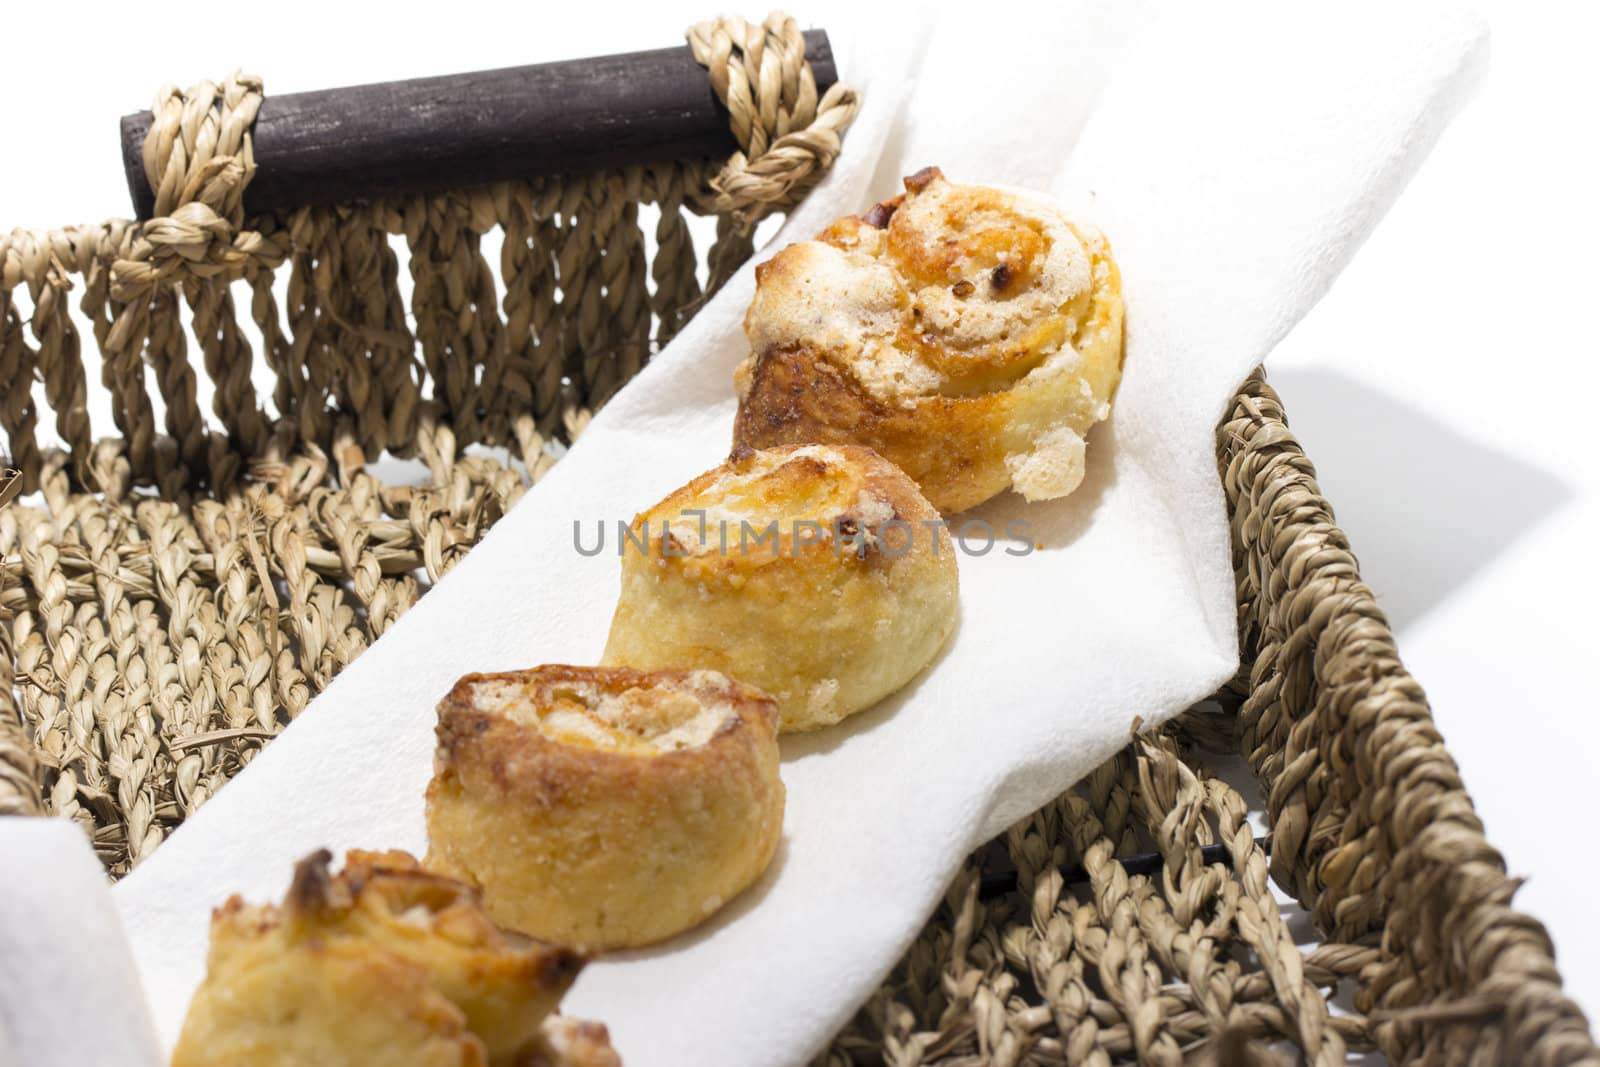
<point x="1235" y="157"/>
<point x="69" y="990"/>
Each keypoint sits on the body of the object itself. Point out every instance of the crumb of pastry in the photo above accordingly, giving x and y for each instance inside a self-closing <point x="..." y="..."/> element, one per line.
<point x="1054" y="468"/>
<point x="568" y="1042"/>
<point x="821" y="699"/>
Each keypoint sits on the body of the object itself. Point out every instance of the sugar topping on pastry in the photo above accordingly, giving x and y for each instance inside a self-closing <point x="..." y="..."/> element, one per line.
<point x="638" y="719"/>
<point x="964" y="290"/>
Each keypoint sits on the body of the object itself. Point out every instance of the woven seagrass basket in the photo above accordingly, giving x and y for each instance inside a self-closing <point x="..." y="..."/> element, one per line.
<point x="171" y="597"/>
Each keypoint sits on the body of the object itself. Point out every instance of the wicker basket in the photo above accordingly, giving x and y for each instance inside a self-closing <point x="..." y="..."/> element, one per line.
<point x="186" y="588"/>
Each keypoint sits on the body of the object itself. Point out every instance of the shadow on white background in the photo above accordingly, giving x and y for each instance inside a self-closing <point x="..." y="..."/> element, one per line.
<point x="1425" y="507"/>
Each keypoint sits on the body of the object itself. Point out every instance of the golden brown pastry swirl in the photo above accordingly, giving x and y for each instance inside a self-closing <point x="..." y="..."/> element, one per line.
<point x="970" y="335"/>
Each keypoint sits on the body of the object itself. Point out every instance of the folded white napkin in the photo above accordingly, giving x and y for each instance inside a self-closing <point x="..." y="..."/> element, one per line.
<point x="69" y="990"/>
<point x="1235" y="157"/>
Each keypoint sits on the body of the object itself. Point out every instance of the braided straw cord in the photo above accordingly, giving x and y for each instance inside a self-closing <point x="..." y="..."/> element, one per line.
<point x="186" y="586"/>
<point x="1195" y="962"/>
<point x="578" y="307"/>
<point x="1370" y="827"/>
<point x="760" y="74"/>
<point x="19" y="785"/>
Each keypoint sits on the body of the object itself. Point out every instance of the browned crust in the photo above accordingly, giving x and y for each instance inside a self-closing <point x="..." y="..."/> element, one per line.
<point x="846" y="233"/>
<point x="923" y="178"/>
<point x="377" y="955"/>
<point x="798" y="397"/>
<point x="594" y="846"/>
<point x="879" y="214"/>
<point x="524" y="764"/>
<point x="382" y="886"/>
<point x="312" y="892"/>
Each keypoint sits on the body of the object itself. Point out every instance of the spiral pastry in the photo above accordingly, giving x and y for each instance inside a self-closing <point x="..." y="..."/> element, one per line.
<point x="818" y="574"/>
<point x="970" y="335"/>
<point x="602" y="807"/>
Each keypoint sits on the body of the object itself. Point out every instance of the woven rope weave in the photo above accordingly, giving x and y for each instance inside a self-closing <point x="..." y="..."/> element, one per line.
<point x="760" y="74"/>
<point x="185" y="587"/>
<point x="1370" y="827"/>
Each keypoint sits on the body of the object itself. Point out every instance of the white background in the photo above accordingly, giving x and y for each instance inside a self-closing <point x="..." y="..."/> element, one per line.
<point x="1445" y="389"/>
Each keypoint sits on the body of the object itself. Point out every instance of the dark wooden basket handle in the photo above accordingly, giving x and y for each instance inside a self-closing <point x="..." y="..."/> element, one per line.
<point x="429" y="134"/>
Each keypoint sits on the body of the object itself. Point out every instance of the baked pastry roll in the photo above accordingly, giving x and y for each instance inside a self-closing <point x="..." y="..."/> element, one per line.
<point x="970" y="335"/>
<point x="605" y="807"/>
<point x="817" y="573"/>
<point x="380" y="963"/>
